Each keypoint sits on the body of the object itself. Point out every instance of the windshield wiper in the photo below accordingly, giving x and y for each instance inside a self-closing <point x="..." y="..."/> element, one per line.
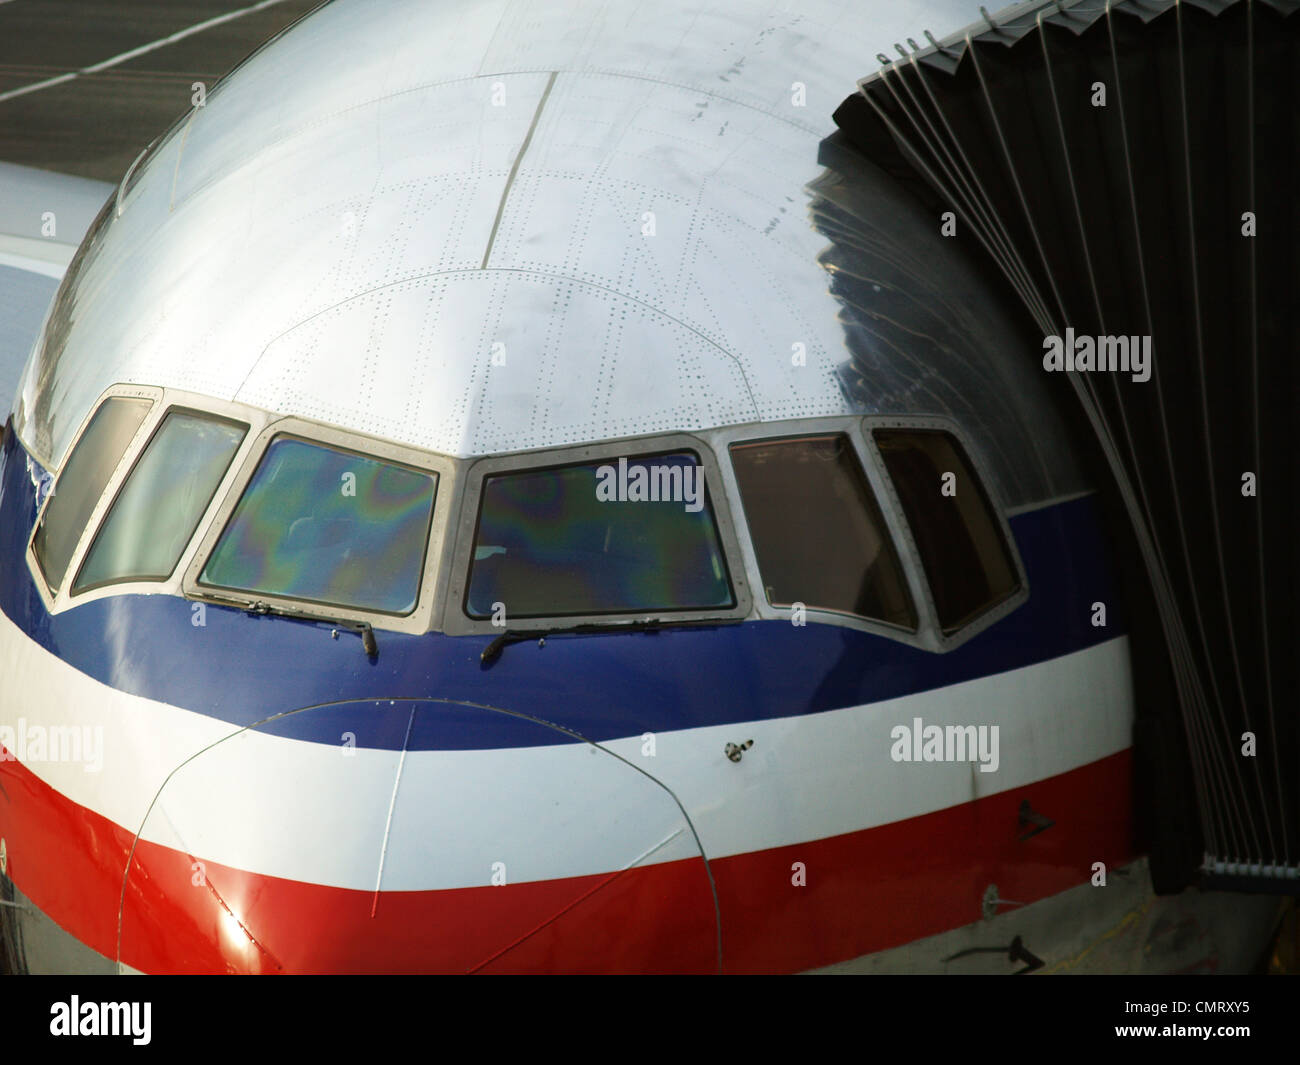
<point x="493" y="650"/>
<point x="263" y="609"/>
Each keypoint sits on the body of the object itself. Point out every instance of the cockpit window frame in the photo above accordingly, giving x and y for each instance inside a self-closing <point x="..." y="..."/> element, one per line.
<point x="849" y="425"/>
<point x="78" y="592"/>
<point x="440" y="605"/>
<point x="164" y="401"/>
<point x="433" y="574"/>
<point x="263" y="427"/>
<point x="456" y="621"/>
<point x="56" y="599"/>
<point x="937" y="423"/>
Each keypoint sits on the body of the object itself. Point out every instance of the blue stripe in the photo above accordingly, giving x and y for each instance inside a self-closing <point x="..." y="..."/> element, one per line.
<point x="243" y="669"/>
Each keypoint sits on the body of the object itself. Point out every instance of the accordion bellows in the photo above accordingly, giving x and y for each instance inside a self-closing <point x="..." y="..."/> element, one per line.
<point x="1132" y="170"/>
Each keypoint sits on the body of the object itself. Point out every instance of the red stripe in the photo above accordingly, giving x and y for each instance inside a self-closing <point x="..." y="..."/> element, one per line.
<point x="882" y="887"/>
<point x="865" y="891"/>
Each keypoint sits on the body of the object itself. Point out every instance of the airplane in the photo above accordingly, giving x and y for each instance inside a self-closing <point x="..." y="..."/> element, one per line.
<point x="507" y="488"/>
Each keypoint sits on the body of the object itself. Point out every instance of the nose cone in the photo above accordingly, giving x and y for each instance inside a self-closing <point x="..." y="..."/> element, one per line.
<point x="416" y="836"/>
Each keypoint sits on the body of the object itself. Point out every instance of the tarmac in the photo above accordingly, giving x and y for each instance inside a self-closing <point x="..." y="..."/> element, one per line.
<point x="56" y="114"/>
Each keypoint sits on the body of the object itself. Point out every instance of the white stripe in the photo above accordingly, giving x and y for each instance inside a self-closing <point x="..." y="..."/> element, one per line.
<point x="310" y="812"/>
<point x="134" y="52"/>
<point x="821" y="775"/>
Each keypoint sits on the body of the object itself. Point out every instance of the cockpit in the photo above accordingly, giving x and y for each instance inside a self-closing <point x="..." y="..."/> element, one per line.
<point x="883" y="524"/>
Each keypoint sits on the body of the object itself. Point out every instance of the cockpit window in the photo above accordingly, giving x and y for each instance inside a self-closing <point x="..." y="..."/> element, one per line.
<point x="627" y="535"/>
<point x="962" y="548"/>
<point x="82" y="481"/>
<point x="817" y="531"/>
<point x="327" y="526"/>
<point x="158" y="509"/>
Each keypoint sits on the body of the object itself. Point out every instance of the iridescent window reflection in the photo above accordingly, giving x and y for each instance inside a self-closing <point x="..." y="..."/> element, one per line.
<point x="328" y="526"/>
<point x="580" y="539"/>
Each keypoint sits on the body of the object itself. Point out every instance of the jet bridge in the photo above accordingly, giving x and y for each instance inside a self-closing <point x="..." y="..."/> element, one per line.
<point x="1131" y="169"/>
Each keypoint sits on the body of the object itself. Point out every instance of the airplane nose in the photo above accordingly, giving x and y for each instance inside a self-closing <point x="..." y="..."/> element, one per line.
<point x="415" y="835"/>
